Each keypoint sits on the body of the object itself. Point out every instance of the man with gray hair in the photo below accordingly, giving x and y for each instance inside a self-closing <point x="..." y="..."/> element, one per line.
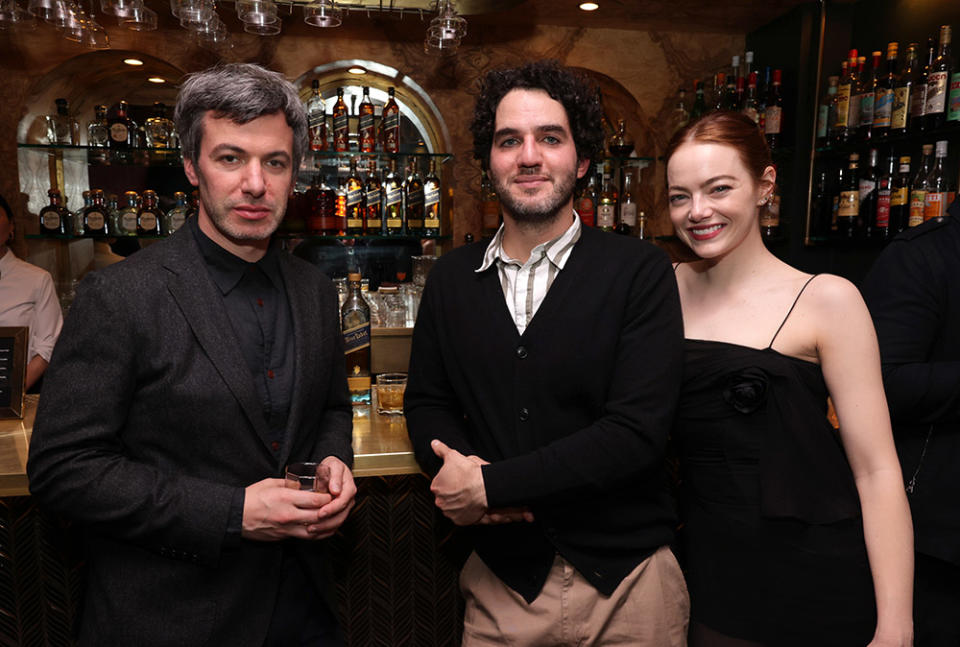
<point x="185" y="379"/>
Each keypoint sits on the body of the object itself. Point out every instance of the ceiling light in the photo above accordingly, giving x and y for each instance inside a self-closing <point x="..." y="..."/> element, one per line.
<point x="357" y="70"/>
<point x="133" y="61"/>
<point x="156" y="79"/>
<point x="589" y="6"/>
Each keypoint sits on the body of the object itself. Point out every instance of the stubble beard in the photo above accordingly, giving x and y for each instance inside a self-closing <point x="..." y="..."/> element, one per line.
<point x="218" y="215"/>
<point x="541" y="211"/>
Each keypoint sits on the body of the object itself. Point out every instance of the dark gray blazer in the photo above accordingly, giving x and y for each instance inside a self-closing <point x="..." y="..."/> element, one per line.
<point x="150" y="424"/>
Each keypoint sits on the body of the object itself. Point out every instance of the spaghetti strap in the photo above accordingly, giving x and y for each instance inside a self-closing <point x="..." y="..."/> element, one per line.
<point x="799" y="294"/>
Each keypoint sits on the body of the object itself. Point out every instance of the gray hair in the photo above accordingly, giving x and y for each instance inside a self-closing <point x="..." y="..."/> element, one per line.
<point x="241" y="92"/>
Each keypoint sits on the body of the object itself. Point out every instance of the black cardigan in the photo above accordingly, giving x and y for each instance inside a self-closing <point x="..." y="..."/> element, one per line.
<point x="573" y="415"/>
<point x="913" y="293"/>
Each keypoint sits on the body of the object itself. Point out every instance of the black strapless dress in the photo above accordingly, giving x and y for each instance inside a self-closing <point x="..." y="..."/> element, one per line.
<point x="772" y="540"/>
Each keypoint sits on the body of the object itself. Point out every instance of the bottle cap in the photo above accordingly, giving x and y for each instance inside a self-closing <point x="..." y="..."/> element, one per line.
<point x="353" y="276"/>
<point x="942" y="148"/>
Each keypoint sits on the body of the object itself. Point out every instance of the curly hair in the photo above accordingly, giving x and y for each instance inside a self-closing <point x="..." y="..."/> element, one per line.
<point x="577" y="95"/>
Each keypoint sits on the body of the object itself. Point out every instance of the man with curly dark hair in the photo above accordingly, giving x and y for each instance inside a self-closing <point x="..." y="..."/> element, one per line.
<point x="543" y="378"/>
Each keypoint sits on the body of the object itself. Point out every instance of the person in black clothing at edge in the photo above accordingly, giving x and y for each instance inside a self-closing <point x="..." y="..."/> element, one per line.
<point x="543" y="379"/>
<point x="914" y="297"/>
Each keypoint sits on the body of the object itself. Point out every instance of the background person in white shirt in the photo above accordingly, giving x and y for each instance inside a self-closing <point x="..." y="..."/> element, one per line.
<point x="27" y="298"/>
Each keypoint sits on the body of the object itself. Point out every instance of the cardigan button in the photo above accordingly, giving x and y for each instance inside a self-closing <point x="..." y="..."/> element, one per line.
<point x="522" y="352"/>
<point x="524" y="414"/>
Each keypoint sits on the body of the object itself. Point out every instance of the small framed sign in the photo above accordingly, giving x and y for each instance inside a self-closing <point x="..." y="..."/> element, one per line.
<point x="13" y="370"/>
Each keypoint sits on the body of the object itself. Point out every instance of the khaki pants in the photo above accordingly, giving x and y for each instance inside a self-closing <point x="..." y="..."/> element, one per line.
<point x="650" y="608"/>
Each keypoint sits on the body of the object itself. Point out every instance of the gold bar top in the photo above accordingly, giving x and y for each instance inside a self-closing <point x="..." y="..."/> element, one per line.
<point x="381" y="446"/>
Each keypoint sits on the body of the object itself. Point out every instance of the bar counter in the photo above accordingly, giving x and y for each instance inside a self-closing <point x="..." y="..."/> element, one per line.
<point x="396" y="559"/>
<point x="380" y="444"/>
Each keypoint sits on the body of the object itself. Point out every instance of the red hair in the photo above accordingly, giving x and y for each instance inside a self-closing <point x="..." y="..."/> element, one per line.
<point x="728" y="129"/>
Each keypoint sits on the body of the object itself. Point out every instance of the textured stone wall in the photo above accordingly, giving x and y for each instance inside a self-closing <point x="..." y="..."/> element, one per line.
<point x="639" y="72"/>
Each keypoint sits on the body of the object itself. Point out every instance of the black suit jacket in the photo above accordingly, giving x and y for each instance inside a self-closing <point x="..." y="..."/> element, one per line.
<point x="150" y="425"/>
<point x="914" y="297"/>
<point x="573" y="414"/>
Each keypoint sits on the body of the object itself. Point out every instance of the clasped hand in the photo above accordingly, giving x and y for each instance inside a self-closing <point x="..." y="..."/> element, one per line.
<point x="272" y="511"/>
<point x="460" y="494"/>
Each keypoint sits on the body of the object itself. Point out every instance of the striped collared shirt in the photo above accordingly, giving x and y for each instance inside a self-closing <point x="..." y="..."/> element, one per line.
<point x="526" y="284"/>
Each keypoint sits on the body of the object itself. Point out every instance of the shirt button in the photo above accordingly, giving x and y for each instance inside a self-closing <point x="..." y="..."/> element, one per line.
<point x="524" y="414"/>
<point x="522" y="352"/>
<point x="275" y="446"/>
<point x="270" y="374"/>
<point x="260" y="302"/>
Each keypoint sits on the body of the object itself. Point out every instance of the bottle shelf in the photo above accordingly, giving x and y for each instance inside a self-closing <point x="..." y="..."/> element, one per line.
<point x="332" y="157"/>
<point x="951" y="129"/>
<point x="102" y="156"/>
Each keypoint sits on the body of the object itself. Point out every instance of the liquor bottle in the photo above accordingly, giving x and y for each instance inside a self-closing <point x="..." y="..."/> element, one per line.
<point x="76" y="217"/>
<point x="413" y="199"/>
<point x="123" y="129"/>
<point x="883" y="95"/>
<point x="177" y="215"/>
<point x="489" y="207"/>
<point x="848" y="209"/>
<point x="95" y="216"/>
<point x="373" y="196"/>
<point x="953" y="101"/>
<point x="769" y="217"/>
<point x="719" y="91"/>
<point x="827" y="111"/>
<point x="341" y="207"/>
<point x="62" y="128"/>
<point x="54" y="217"/>
<point x="699" y="107"/>
<point x="113" y="216"/>
<point x="341" y="124"/>
<point x="621" y="144"/>
<point x="845" y="99"/>
<point x="747" y="63"/>
<point x="149" y="215"/>
<point x="868" y="195"/>
<point x="867" y="90"/>
<point x="355" y="323"/>
<point x="391" y="123"/>
<point x="773" y="115"/>
<point x="368" y="127"/>
<point x="97" y="130"/>
<point x="939" y="186"/>
<point x="763" y="91"/>
<point x="393" y="201"/>
<point x="356" y="224"/>
<point x="316" y="118"/>
<point x="938" y="82"/>
<point x="587" y="202"/>
<point x="750" y="106"/>
<point x="627" y="221"/>
<point x="881" y="228"/>
<point x="680" y="116"/>
<point x="160" y="131"/>
<point x="900" y="198"/>
<point x="641" y="231"/>
<point x="918" y="187"/>
<point x="919" y="104"/>
<point x="736" y="94"/>
<point x="821" y="206"/>
<point x="904" y="91"/>
<point x="431" y="201"/>
<point x="326" y="209"/>
<point x="313" y="223"/>
<point x="607" y="202"/>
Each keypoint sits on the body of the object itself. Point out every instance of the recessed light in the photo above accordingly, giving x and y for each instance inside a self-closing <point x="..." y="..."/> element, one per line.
<point x="589" y="6"/>
<point x="357" y="70"/>
<point x="133" y="61"/>
<point x="156" y="79"/>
